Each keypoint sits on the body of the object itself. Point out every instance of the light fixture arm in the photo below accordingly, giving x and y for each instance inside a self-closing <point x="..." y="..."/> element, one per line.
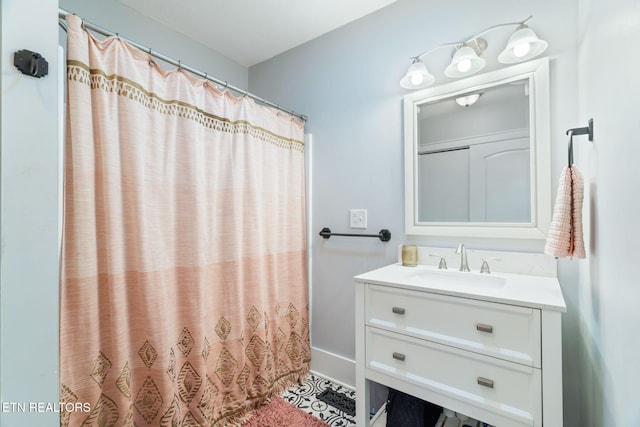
<point x="481" y="33"/>
<point x="493" y="27"/>
<point x="436" y="48"/>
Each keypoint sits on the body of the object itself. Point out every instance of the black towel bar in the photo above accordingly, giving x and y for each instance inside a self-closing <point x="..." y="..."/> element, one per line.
<point x="384" y="234"/>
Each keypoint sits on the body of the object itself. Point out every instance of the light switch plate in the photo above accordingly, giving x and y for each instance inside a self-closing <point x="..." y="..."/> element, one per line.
<point x="358" y="218"/>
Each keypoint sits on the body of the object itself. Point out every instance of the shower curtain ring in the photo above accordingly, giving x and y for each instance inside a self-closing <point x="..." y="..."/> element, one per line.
<point x="179" y="65"/>
<point x="205" y="79"/>
<point x="226" y="84"/>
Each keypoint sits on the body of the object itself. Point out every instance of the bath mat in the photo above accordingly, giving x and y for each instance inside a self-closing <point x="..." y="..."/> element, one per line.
<point x="339" y="401"/>
<point x="278" y="413"/>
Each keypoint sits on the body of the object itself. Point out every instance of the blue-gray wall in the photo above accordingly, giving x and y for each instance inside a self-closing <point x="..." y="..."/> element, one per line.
<point x="347" y="82"/>
<point x="117" y="17"/>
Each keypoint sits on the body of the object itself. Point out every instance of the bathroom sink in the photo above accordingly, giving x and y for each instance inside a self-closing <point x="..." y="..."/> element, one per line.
<point x="453" y="279"/>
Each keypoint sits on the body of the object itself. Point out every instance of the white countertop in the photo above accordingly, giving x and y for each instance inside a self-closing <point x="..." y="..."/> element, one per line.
<point x="518" y="289"/>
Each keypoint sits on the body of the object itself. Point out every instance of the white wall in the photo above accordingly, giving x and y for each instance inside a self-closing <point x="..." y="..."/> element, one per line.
<point x="609" y="293"/>
<point x="347" y="81"/>
<point x="29" y="217"/>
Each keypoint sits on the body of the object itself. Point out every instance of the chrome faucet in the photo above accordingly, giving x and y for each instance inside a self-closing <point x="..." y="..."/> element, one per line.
<point x="464" y="266"/>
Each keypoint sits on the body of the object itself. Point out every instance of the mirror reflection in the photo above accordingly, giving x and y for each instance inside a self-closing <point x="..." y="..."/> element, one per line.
<point x="473" y="156"/>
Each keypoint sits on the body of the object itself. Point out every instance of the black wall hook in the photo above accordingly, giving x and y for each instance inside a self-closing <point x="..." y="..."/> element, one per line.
<point x="30" y="63"/>
<point x="583" y="131"/>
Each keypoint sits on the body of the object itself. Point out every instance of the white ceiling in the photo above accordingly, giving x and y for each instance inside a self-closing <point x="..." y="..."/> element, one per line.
<point x="252" y="31"/>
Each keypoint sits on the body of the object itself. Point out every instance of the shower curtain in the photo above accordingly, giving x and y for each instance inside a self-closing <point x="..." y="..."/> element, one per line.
<point x="183" y="292"/>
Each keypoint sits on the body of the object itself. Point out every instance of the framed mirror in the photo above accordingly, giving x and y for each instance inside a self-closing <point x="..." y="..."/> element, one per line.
<point x="477" y="155"/>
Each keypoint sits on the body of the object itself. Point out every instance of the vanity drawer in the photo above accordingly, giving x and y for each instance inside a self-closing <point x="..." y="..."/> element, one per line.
<point x="507" y="389"/>
<point x="499" y="330"/>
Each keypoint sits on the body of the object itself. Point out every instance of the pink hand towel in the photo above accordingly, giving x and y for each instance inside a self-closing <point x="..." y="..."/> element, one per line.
<point x="565" y="233"/>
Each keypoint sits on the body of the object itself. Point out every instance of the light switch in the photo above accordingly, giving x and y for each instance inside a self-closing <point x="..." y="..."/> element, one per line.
<point x="358" y="218"/>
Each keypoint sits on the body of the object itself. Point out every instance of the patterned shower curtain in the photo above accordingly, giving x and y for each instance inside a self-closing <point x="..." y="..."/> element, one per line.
<point x="183" y="293"/>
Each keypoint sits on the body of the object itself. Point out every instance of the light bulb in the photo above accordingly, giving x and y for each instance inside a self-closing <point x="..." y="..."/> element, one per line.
<point x="521" y="49"/>
<point x="464" y="65"/>
<point x="417" y="78"/>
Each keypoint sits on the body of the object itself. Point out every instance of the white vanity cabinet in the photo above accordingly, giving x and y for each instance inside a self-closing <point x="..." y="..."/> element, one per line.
<point x="492" y="353"/>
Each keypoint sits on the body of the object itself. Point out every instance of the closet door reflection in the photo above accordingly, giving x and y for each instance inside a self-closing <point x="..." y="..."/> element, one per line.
<point x="487" y="182"/>
<point x="500" y="181"/>
<point x="443" y="182"/>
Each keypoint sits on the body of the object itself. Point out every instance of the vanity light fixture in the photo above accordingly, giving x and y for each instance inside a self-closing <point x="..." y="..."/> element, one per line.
<point x="523" y="45"/>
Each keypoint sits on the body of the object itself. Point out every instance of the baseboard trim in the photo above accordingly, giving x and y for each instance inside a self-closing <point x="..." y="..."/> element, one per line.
<point x="334" y="367"/>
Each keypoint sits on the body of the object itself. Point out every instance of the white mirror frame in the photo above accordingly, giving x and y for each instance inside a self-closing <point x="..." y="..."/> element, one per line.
<point x="537" y="72"/>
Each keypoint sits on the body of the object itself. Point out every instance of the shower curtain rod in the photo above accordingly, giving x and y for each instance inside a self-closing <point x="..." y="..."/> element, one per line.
<point x="98" y="29"/>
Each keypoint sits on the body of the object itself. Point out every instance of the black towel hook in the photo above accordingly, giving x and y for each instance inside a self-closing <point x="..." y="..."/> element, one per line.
<point x="579" y="131"/>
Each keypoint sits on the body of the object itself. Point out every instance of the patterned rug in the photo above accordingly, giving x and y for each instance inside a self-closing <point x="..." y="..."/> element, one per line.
<point x="278" y="413"/>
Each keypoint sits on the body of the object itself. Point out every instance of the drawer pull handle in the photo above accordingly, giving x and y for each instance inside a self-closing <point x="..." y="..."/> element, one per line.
<point x="485" y="382"/>
<point x="399" y="356"/>
<point x="398" y="310"/>
<point x="484" y="328"/>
